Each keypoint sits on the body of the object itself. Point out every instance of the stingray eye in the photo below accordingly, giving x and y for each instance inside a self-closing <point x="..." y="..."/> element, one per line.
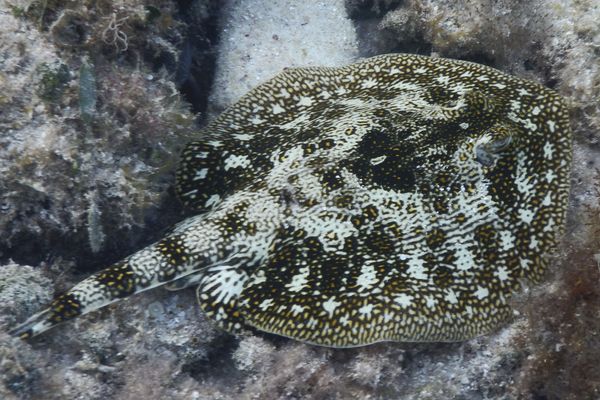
<point x="493" y="144"/>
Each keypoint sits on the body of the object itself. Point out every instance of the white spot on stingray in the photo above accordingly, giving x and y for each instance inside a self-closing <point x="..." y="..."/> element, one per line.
<point x="344" y="319"/>
<point x="547" y="199"/>
<point x="324" y="94"/>
<point x="367" y="278"/>
<point x="330" y="305"/>
<point x="366" y="310"/>
<point x="284" y="93"/>
<point x="235" y="161"/>
<point x="464" y="125"/>
<point x="523" y="179"/>
<point x="404" y="300"/>
<point x="212" y="200"/>
<point x="242" y="136"/>
<point x="549" y="225"/>
<point x="551" y="125"/>
<point x="349" y="78"/>
<point x="387" y="316"/>
<point x="527" y="123"/>
<point x="526" y="215"/>
<point x="201" y="174"/>
<point x="191" y="194"/>
<point x="498" y="85"/>
<point x="536" y="110"/>
<point x="550" y="175"/>
<point x="501" y="273"/>
<point x="459" y="88"/>
<point x="548" y="151"/>
<point x="368" y="83"/>
<point x="299" y="280"/>
<point x="256" y="120"/>
<point x="481" y="292"/>
<point x="305" y="101"/>
<point x="443" y="79"/>
<point x="534" y="243"/>
<point x="297" y="309"/>
<point x="257" y="278"/>
<point x="404" y="98"/>
<point x="266" y="304"/>
<point x="430" y="301"/>
<point x="331" y="232"/>
<point x="507" y="240"/>
<point x="378" y="160"/>
<point x="277" y="109"/>
<point x="451" y="297"/>
<point x="416" y="268"/>
<point x="464" y="259"/>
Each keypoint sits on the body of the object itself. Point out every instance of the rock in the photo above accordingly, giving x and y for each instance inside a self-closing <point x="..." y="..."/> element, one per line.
<point x="259" y="38"/>
<point x="23" y="290"/>
<point x="82" y="148"/>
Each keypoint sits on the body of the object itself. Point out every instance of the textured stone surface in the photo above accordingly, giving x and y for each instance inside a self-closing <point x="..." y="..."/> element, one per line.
<point x="259" y="38"/>
<point x="84" y="149"/>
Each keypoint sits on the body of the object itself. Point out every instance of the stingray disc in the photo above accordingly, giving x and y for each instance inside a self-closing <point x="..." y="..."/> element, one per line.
<point x="408" y="196"/>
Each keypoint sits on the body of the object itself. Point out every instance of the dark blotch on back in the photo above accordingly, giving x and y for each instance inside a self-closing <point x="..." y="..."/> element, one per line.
<point x="396" y="172"/>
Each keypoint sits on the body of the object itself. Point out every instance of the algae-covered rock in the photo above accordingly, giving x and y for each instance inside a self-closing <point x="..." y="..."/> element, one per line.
<point x="22" y="290"/>
<point x="88" y="142"/>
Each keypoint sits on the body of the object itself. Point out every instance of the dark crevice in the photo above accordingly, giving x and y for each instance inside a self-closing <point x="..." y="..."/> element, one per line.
<point x="373" y="41"/>
<point x="366" y="9"/>
<point x="196" y="67"/>
<point x="480" y="58"/>
<point x="218" y="362"/>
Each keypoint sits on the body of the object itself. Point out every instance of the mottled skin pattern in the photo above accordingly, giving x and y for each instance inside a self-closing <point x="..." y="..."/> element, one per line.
<point x="399" y="198"/>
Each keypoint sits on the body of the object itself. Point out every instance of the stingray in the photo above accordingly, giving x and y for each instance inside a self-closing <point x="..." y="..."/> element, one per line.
<point x="400" y="198"/>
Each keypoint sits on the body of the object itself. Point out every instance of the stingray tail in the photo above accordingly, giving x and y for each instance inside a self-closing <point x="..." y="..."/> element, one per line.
<point x="98" y="290"/>
<point x="168" y="260"/>
<point x="35" y="324"/>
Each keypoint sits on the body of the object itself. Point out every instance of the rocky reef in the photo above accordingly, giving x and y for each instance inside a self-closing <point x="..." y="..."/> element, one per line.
<point x="96" y="100"/>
